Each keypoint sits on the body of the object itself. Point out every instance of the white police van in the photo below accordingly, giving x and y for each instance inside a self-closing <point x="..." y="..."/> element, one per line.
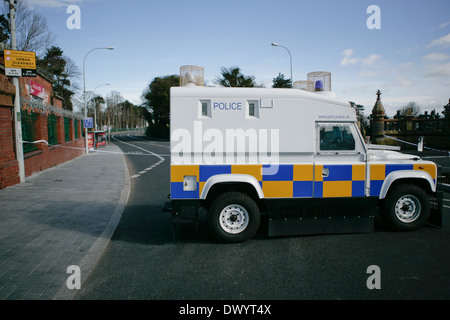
<point x="297" y="157"/>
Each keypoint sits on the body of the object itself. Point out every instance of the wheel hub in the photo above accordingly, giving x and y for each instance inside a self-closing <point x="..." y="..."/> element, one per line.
<point x="234" y="219"/>
<point x="407" y="208"/>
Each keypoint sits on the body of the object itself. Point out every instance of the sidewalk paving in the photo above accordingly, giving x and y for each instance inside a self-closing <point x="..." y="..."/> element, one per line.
<point x="60" y="217"/>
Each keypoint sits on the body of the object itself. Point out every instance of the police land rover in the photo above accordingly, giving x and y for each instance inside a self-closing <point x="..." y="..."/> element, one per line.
<point x="297" y="157"/>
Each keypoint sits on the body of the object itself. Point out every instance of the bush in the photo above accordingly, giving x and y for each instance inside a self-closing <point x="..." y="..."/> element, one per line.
<point x="158" y="131"/>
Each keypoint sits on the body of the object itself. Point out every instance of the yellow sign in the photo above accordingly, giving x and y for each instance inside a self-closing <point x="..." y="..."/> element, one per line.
<point x="20" y="59"/>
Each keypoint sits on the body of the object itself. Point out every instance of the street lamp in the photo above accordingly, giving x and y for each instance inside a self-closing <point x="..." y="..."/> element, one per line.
<point x="274" y="44"/>
<point x="84" y="92"/>
<point x="95" y="104"/>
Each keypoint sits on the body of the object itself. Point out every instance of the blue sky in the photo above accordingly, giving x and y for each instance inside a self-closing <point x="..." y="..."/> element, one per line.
<point x="408" y="59"/>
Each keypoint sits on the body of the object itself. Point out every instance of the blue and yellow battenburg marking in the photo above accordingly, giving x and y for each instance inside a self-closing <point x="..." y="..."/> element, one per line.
<point x="342" y="181"/>
<point x="379" y="172"/>
<point x="296" y="180"/>
<point x="290" y="181"/>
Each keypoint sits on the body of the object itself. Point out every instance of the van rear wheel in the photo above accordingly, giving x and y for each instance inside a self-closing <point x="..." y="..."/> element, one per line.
<point x="233" y="217"/>
<point x="406" y="208"/>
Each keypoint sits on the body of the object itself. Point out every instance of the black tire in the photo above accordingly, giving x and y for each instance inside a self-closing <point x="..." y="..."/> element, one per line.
<point x="406" y="208"/>
<point x="233" y="217"/>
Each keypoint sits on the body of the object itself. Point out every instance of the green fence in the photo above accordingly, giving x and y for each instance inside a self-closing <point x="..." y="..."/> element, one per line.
<point x="28" y="121"/>
<point x="52" y="125"/>
<point x="67" y="129"/>
<point x="76" y="128"/>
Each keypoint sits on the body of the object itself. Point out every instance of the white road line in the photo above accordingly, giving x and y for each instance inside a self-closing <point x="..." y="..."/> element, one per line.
<point x="161" y="159"/>
<point x="160" y="145"/>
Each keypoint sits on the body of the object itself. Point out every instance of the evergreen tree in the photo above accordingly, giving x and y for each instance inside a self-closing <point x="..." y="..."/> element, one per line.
<point x="232" y="77"/>
<point x="281" y="82"/>
<point x="4" y="28"/>
<point x="157" y="101"/>
<point x="446" y="111"/>
<point x="55" y="64"/>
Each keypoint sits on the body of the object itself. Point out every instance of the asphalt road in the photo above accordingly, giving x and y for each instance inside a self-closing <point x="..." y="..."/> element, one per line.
<point x="144" y="261"/>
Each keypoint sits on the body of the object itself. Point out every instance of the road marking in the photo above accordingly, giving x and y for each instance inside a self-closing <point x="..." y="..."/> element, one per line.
<point x="161" y="159"/>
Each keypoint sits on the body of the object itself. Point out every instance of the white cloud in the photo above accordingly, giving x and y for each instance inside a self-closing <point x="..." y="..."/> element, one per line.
<point x="408" y="50"/>
<point x="364" y="88"/>
<point x="443" y="41"/>
<point x="399" y="81"/>
<point x="367" y="73"/>
<point x="443" y="25"/>
<point x="435" y="56"/>
<point x="441" y="70"/>
<point x="403" y="67"/>
<point x="348" y="59"/>
<point x="371" y="60"/>
<point x="402" y="81"/>
<point x="51" y="3"/>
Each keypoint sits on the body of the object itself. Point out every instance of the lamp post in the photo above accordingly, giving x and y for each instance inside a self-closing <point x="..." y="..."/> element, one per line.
<point x="274" y="44"/>
<point x="95" y="104"/>
<point x="84" y="93"/>
<point x="17" y="107"/>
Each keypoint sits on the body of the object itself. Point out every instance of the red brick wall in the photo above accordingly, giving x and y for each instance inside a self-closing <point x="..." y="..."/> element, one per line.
<point x="46" y="156"/>
<point x="46" y="94"/>
<point x="50" y="156"/>
<point x="9" y="167"/>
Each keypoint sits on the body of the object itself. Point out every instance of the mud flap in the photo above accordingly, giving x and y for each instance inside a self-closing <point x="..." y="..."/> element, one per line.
<point x="182" y="212"/>
<point x="321" y="216"/>
<point x="437" y="202"/>
<point x="436" y="209"/>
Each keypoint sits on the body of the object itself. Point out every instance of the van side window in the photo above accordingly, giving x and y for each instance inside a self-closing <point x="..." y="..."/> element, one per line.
<point x="205" y="109"/>
<point x="252" y="109"/>
<point x="336" y="137"/>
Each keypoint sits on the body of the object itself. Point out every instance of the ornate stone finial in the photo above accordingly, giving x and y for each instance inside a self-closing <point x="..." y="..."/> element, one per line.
<point x="378" y="94"/>
<point x="378" y="109"/>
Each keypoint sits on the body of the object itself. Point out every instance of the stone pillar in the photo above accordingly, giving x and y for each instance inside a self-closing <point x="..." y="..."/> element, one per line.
<point x="378" y="120"/>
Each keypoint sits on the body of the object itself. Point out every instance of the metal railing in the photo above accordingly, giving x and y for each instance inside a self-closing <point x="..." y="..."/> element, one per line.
<point x="28" y="120"/>
<point x="52" y="126"/>
<point x="67" y="122"/>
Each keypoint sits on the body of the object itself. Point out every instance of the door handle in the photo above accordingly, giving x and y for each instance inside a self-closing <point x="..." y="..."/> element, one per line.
<point x="325" y="172"/>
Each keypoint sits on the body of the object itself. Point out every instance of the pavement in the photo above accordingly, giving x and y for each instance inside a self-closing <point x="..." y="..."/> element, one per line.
<point x="61" y="217"/>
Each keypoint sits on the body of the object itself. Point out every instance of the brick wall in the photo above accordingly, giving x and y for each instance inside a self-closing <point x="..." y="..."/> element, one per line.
<point x="9" y="167"/>
<point x="45" y="156"/>
<point x="49" y="156"/>
<point x="45" y="91"/>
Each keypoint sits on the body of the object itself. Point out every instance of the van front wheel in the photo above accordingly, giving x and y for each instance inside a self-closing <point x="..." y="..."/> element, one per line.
<point x="406" y="208"/>
<point x="233" y="217"/>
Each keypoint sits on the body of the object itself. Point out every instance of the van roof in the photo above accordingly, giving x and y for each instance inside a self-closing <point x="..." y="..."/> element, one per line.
<point x="249" y="93"/>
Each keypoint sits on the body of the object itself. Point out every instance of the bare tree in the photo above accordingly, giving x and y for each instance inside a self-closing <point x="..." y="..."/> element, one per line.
<point x="113" y="110"/>
<point x="32" y="32"/>
<point x="73" y="73"/>
<point x="411" y="109"/>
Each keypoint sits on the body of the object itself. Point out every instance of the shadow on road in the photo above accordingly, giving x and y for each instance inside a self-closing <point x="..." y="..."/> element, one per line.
<point x="149" y="225"/>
